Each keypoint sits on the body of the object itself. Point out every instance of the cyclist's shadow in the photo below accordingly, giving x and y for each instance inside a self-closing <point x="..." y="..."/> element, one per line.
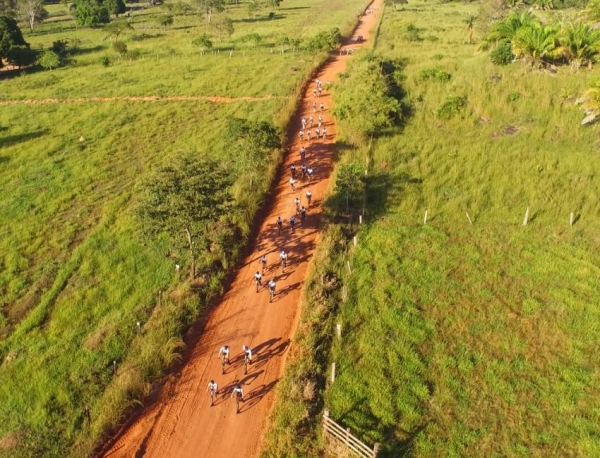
<point x="254" y="397"/>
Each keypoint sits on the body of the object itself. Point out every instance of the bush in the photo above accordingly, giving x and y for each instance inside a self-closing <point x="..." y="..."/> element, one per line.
<point x="325" y="41"/>
<point x="49" y="60"/>
<point x="165" y="20"/>
<point x="105" y="61"/>
<point x="412" y="33"/>
<point x="451" y="107"/>
<point x="513" y="96"/>
<point x="434" y="74"/>
<point x="502" y="54"/>
<point x="120" y="47"/>
<point x="203" y="41"/>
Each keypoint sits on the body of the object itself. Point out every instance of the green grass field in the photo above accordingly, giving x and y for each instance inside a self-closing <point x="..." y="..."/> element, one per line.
<point x="76" y="274"/>
<point x="467" y="339"/>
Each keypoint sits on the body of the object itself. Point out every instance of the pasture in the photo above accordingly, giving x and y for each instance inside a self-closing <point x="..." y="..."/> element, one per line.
<point x="472" y="334"/>
<point x="77" y="275"/>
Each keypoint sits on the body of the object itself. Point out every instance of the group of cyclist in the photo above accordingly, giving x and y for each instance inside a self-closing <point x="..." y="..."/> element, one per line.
<point x="237" y="392"/>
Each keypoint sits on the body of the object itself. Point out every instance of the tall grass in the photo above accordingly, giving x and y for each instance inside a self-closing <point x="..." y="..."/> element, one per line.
<point x="473" y="339"/>
<point x="76" y="276"/>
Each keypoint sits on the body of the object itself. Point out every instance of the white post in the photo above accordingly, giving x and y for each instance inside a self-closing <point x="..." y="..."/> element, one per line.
<point x="526" y="217"/>
<point x="348" y="265"/>
<point x="332" y="372"/>
<point x="344" y="293"/>
<point x="469" y="218"/>
<point x="139" y="327"/>
<point x="338" y="327"/>
<point x="355" y="240"/>
<point x="425" y="218"/>
<point x="359" y="219"/>
<point x="571" y="219"/>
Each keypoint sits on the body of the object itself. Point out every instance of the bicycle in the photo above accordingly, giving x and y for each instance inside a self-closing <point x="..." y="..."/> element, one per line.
<point x="258" y="284"/>
<point x="247" y="362"/>
<point x="271" y="293"/>
<point x="238" y="399"/>
<point x="213" y="396"/>
<point x="223" y="360"/>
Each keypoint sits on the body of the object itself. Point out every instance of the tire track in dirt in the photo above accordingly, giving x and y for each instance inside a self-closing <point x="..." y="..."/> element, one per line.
<point x="141" y="98"/>
<point x="187" y="426"/>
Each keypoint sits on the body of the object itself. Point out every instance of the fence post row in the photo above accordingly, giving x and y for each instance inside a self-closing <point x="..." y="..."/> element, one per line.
<point x="345" y="437"/>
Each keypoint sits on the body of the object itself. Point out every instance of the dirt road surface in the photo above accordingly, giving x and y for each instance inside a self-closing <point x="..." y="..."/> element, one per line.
<point x="182" y="423"/>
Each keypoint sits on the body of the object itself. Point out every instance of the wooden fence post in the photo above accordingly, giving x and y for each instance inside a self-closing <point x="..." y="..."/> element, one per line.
<point x="355" y="241"/>
<point x="338" y="327"/>
<point x="526" y="218"/>
<point x="375" y="450"/>
<point x="114" y="367"/>
<point x="425" y="218"/>
<point x="571" y="219"/>
<point x="359" y="219"/>
<point x="139" y="327"/>
<point x="348" y="265"/>
<point x="332" y="372"/>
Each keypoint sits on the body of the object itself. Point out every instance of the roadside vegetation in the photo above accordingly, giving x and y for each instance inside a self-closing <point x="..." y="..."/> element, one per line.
<point x="99" y="280"/>
<point x="464" y="332"/>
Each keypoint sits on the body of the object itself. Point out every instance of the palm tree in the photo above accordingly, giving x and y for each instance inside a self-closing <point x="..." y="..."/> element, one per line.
<point x="580" y="44"/>
<point x="470" y="21"/>
<point x="506" y="30"/>
<point x="537" y="43"/>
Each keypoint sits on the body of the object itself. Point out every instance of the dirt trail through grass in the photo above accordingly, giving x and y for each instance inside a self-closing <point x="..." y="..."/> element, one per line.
<point x="141" y="98"/>
<point x="182" y="423"/>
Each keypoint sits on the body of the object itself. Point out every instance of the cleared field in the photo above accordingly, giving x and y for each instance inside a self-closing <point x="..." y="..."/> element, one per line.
<point x="77" y="275"/>
<point x="464" y="339"/>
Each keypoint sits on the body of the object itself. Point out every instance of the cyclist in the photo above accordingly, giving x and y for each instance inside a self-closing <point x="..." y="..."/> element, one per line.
<point x="293" y="222"/>
<point x="318" y="133"/>
<point x="301" y="135"/>
<point x="263" y="262"/>
<point x="303" y="170"/>
<point x="324" y="132"/>
<point x="320" y="118"/>
<point x="258" y="280"/>
<point x="271" y="289"/>
<point x="297" y="203"/>
<point x="309" y="172"/>
<point x="308" y="196"/>
<point x="280" y="224"/>
<point x="302" y="153"/>
<point x="247" y="353"/>
<point x="224" y="353"/>
<point x="302" y="215"/>
<point x="308" y="134"/>
<point x="322" y="107"/>
<point x="212" y="389"/>
<point x="293" y="184"/>
<point x="238" y="392"/>
<point x="314" y="107"/>
<point x="293" y="170"/>
<point x="283" y="256"/>
<point x="303" y="123"/>
<point x="310" y="120"/>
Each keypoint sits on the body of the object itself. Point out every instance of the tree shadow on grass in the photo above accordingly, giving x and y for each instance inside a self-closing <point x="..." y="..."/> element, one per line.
<point x="267" y="18"/>
<point x="14" y="139"/>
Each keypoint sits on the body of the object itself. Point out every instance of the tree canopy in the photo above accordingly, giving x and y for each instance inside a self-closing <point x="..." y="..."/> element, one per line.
<point x="181" y="200"/>
<point x="10" y="36"/>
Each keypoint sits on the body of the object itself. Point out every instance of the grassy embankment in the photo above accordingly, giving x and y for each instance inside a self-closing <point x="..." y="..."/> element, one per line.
<point x="76" y="275"/>
<point x="471" y="339"/>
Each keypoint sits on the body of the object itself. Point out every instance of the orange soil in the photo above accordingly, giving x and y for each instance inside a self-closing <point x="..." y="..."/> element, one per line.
<point x="181" y="423"/>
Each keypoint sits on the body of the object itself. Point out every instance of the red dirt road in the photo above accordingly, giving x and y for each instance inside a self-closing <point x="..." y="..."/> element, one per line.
<point x="181" y="423"/>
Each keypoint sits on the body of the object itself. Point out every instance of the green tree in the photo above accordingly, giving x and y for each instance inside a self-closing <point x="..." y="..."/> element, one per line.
<point x="181" y="200"/>
<point x="49" y="60"/>
<point x="10" y="36"/>
<point x="115" y="7"/>
<point x="367" y="98"/>
<point x="115" y="29"/>
<point x="120" y="48"/>
<point x="222" y="27"/>
<point x="254" y="8"/>
<point x="580" y="44"/>
<point x="251" y="144"/>
<point x="506" y="30"/>
<point x="165" y="21"/>
<point x="325" y="41"/>
<point x="90" y="13"/>
<point x="204" y="42"/>
<point x="349" y="186"/>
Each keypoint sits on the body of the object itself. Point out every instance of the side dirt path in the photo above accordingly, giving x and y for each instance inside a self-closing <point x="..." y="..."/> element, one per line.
<point x="141" y="98"/>
<point x="182" y="423"/>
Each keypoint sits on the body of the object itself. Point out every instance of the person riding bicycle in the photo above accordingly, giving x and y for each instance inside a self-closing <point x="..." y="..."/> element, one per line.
<point x="309" y="172"/>
<point x="272" y="287"/>
<point x="293" y="170"/>
<point x="258" y="280"/>
<point x="283" y="256"/>
<point x="302" y="214"/>
<point x="279" y="224"/>
<point x="224" y="352"/>
<point x="302" y="153"/>
<point x="263" y="261"/>
<point x="303" y="168"/>
<point x="237" y="392"/>
<point x="293" y="222"/>
<point x="247" y="353"/>
<point x="297" y="203"/>
<point x="213" y="388"/>
<point x="308" y="196"/>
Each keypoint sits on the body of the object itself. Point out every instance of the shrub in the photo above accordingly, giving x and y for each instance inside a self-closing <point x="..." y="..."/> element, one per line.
<point x="434" y="74"/>
<point x="120" y="47"/>
<point x="513" y="96"/>
<point x="105" y="61"/>
<point x="502" y="54"/>
<point x="165" y="20"/>
<point x="325" y="41"/>
<point x="49" y="60"/>
<point x="412" y="33"/>
<point x="451" y="107"/>
<point x="203" y="41"/>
